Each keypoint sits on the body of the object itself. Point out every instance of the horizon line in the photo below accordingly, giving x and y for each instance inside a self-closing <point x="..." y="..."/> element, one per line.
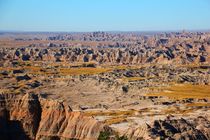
<point x="123" y="31"/>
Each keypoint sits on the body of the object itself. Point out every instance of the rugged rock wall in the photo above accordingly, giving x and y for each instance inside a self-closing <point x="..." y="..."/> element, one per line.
<point x="30" y="117"/>
<point x="175" y="54"/>
<point x="175" y="129"/>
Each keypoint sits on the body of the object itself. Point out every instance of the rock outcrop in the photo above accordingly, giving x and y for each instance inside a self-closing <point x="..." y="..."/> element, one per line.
<point x="175" y="129"/>
<point x="31" y="117"/>
<point x="137" y="55"/>
<point x="105" y="48"/>
<point x="198" y="128"/>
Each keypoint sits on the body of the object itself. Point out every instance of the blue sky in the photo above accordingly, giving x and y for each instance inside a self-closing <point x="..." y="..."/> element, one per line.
<point x="104" y="15"/>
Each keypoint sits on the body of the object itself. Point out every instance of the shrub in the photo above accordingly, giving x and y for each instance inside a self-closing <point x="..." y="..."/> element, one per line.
<point x="104" y="135"/>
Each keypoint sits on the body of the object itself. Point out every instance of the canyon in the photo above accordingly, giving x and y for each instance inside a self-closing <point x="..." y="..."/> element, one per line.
<point x="105" y="86"/>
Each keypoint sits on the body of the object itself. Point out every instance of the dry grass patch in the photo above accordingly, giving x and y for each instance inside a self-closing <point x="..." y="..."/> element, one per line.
<point x="198" y="105"/>
<point x="115" y="120"/>
<point x="83" y="71"/>
<point x="175" y="110"/>
<point x="182" y="91"/>
<point x="193" y="65"/>
<point x="133" y="79"/>
<point x="110" y="113"/>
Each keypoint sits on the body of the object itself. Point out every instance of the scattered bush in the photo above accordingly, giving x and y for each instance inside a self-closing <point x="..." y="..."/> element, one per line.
<point x="104" y="135"/>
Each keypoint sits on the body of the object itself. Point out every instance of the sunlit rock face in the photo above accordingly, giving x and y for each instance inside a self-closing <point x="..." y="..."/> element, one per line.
<point x="29" y="117"/>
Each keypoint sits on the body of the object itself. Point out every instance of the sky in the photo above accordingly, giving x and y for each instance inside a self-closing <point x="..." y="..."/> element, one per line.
<point x="104" y="15"/>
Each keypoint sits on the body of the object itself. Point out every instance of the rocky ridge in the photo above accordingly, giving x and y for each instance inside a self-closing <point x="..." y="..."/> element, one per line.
<point x="30" y="117"/>
<point x="173" y="129"/>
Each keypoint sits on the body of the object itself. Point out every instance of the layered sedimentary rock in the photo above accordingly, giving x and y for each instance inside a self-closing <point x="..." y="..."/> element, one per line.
<point x="176" y="129"/>
<point x="155" y="72"/>
<point x="29" y="117"/>
<point x="138" y="55"/>
<point x="181" y="48"/>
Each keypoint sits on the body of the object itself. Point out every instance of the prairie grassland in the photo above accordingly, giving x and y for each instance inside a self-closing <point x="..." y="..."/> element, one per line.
<point x="64" y="68"/>
<point x="75" y="64"/>
<point x="121" y="67"/>
<point x="182" y="91"/>
<point x="193" y="65"/>
<point x="31" y="68"/>
<point x="83" y="71"/>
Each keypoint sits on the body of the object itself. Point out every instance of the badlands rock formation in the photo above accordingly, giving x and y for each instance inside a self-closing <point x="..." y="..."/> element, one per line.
<point x="105" y="48"/>
<point x="122" y="86"/>
<point x="30" y="117"/>
<point x="177" y="54"/>
<point x="173" y="129"/>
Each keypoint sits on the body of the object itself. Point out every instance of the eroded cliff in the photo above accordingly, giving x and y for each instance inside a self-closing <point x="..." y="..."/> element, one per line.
<point x="30" y="117"/>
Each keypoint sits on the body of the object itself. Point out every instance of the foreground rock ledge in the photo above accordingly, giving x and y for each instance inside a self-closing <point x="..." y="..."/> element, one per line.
<point x="31" y="117"/>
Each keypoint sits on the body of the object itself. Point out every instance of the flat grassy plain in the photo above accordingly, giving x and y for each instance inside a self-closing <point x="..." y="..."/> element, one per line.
<point x="182" y="91"/>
